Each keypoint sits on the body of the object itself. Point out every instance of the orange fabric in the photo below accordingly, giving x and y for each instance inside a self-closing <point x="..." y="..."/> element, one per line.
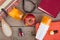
<point x="37" y="26"/>
<point x="53" y="26"/>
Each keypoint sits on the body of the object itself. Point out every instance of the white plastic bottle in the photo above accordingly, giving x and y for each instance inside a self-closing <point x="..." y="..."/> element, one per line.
<point x="43" y="28"/>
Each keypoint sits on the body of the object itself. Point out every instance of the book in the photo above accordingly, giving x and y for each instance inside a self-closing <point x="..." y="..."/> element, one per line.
<point x="50" y="7"/>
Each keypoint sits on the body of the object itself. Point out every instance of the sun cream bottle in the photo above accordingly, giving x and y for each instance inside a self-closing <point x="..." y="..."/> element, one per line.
<point x="43" y="28"/>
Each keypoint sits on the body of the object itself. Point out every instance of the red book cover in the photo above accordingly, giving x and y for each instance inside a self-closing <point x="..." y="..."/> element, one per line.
<point x="51" y="7"/>
<point x="53" y="26"/>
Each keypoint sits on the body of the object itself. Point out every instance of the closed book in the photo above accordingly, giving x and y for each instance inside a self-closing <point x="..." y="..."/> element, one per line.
<point x="51" y="7"/>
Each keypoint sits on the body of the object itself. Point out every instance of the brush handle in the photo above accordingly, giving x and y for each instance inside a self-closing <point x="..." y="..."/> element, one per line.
<point x="5" y="12"/>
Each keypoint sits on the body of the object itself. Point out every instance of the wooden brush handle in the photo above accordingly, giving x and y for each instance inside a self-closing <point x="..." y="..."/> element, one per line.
<point x="5" y="12"/>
